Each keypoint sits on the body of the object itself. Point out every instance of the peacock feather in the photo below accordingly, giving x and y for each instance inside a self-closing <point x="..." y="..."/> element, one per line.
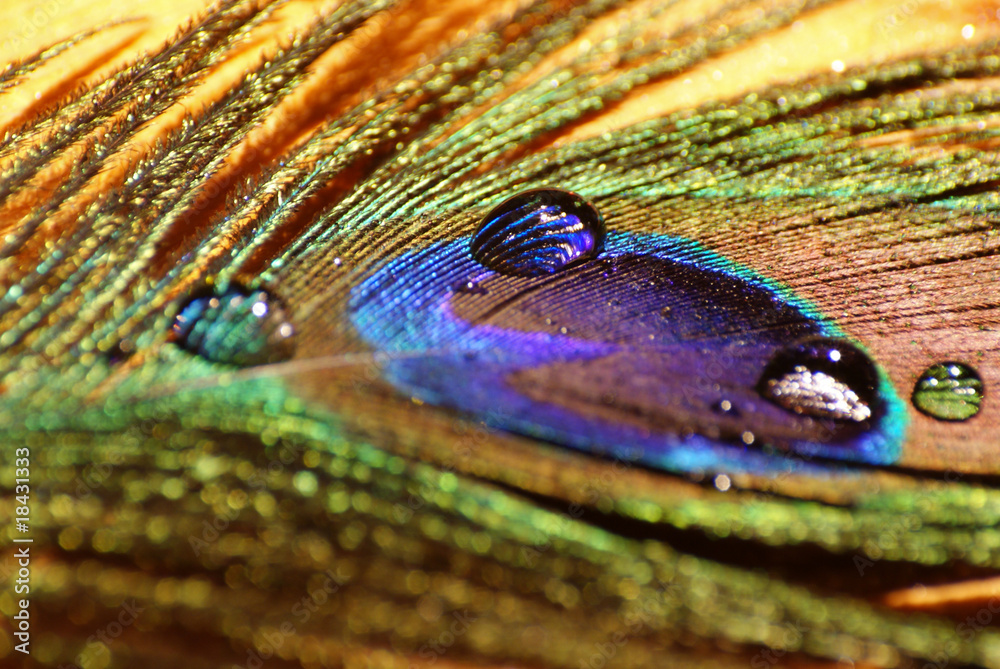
<point x="627" y="333"/>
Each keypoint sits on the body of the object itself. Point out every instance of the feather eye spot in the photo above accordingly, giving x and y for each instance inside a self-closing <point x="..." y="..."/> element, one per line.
<point x="538" y="232"/>
<point x="238" y="326"/>
<point x="950" y="391"/>
<point x="597" y="362"/>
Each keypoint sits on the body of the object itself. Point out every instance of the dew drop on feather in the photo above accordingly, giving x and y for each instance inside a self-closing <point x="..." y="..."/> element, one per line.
<point x="239" y="326"/>
<point x="538" y="232"/>
<point x="824" y="378"/>
<point x="949" y="391"/>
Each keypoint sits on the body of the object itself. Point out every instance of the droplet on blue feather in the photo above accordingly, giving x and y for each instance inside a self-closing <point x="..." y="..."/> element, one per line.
<point x="538" y="232"/>
<point x="469" y="286"/>
<point x="725" y="407"/>
<point x="824" y="378"/>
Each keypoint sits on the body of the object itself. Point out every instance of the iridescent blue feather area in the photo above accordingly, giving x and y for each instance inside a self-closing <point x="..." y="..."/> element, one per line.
<point x="654" y="351"/>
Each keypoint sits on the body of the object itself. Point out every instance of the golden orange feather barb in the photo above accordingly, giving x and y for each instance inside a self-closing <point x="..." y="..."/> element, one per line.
<point x="399" y="333"/>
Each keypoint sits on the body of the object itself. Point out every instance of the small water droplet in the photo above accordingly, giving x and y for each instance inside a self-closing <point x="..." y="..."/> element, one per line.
<point x="237" y="327"/>
<point x="469" y="288"/>
<point x="949" y="391"/>
<point x="823" y="378"/>
<point x="725" y="407"/>
<point x="538" y="232"/>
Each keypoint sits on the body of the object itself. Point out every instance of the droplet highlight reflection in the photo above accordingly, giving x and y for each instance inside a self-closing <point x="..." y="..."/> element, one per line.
<point x="949" y="391"/>
<point x="538" y="232"/>
<point x="823" y="378"/>
<point x="237" y="327"/>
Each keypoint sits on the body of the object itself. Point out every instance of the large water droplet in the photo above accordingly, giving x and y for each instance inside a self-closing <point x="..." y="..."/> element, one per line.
<point x="949" y="391"/>
<point x="823" y="378"/>
<point x="538" y="232"/>
<point x="237" y="327"/>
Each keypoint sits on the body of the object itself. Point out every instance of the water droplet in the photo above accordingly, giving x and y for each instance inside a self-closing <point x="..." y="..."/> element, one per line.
<point x="722" y="482"/>
<point x="725" y="407"/>
<point x="538" y="232"/>
<point x="237" y="327"/>
<point x="823" y="378"/>
<point x="949" y="391"/>
<point x="469" y="288"/>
